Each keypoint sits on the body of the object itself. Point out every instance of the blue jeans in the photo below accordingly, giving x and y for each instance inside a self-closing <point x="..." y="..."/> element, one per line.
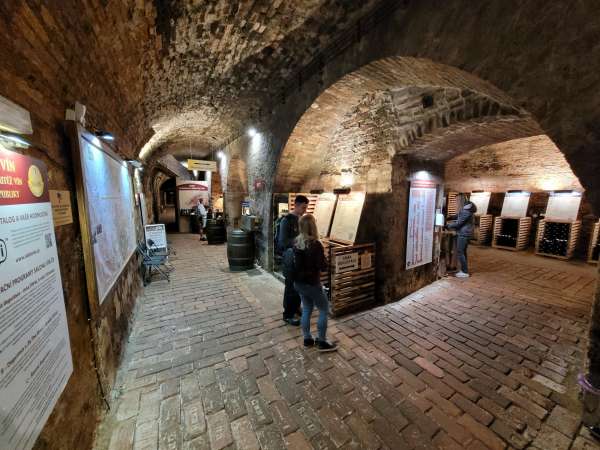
<point x="312" y="296"/>
<point x="461" y="251"/>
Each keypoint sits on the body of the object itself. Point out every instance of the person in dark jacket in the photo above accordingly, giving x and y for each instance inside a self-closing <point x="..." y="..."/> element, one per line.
<point x="464" y="232"/>
<point x="288" y="230"/>
<point x="309" y="262"/>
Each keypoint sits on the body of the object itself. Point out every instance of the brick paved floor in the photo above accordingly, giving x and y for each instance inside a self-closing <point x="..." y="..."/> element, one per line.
<point x="487" y="362"/>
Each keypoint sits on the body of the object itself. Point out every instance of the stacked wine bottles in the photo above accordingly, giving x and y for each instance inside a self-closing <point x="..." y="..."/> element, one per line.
<point x="557" y="238"/>
<point x="511" y="233"/>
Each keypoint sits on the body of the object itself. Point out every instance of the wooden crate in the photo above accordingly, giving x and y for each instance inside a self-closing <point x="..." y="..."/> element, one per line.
<point x="522" y="233"/>
<point x="452" y="204"/>
<point x="482" y="230"/>
<point x="595" y="241"/>
<point x="312" y="201"/>
<point x="574" y="230"/>
<point x="352" y="283"/>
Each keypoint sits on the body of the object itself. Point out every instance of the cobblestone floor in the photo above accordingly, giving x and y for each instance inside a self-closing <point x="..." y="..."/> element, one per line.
<point x="487" y="362"/>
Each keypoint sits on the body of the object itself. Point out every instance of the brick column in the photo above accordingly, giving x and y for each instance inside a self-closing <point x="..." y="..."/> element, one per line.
<point x="591" y="402"/>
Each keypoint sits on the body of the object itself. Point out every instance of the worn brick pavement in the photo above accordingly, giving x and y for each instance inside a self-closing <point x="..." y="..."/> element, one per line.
<point x="487" y="362"/>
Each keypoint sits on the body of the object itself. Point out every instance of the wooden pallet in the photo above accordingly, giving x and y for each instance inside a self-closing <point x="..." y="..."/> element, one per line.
<point x="312" y="201"/>
<point x="351" y="276"/>
<point x="482" y="230"/>
<point x="523" y="230"/>
<point x="574" y="231"/>
<point x="594" y="241"/>
<point x="452" y="204"/>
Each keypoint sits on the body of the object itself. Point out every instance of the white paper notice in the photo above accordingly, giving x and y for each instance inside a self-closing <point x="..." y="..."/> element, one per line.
<point x="157" y="234"/>
<point x="515" y="204"/>
<point x="324" y="212"/>
<point x="563" y="207"/>
<point x="347" y="217"/>
<point x="421" y="219"/>
<point x="481" y="201"/>
<point x="35" y="354"/>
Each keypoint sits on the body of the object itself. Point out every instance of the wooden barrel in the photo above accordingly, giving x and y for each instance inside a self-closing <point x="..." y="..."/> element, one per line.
<point x="240" y="250"/>
<point x="215" y="231"/>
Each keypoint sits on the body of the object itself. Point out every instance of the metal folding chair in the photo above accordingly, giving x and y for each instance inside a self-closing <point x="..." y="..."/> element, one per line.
<point x="151" y="261"/>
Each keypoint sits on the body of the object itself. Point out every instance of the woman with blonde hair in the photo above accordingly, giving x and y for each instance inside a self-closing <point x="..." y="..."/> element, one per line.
<point x="309" y="262"/>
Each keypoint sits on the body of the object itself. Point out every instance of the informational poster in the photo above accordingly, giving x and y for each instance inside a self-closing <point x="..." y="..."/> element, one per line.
<point x="346" y="262"/>
<point x="481" y="201"/>
<point x="324" y="213"/>
<point x="109" y="203"/>
<point x="563" y="206"/>
<point x="515" y="204"/>
<point x="35" y="354"/>
<point x="157" y="234"/>
<point x="190" y="192"/>
<point x="62" y="213"/>
<point x="347" y="217"/>
<point x="421" y="220"/>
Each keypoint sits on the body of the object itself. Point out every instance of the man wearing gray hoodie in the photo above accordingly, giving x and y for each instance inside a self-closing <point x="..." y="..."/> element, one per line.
<point x="464" y="231"/>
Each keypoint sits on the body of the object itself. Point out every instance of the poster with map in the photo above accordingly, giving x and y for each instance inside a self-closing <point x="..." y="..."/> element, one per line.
<point x="110" y="208"/>
<point x="324" y="212"/>
<point x="347" y="217"/>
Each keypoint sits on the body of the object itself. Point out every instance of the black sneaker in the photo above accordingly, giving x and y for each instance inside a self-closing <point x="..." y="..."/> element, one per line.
<point x="292" y="321"/>
<point x="309" y="342"/>
<point x="324" y="346"/>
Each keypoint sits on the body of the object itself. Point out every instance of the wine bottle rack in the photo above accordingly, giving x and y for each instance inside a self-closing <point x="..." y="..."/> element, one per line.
<point x="594" y="250"/>
<point x="511" y="233"/>
<point x="312" y="201"/>
<point x="557" y="238"/>
<point x="482" y="229"/>
<point x="452" y="204"/>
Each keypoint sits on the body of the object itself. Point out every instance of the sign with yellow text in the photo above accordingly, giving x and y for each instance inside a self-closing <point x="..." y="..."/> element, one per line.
<point x="61" y="207"/>
<point x="198" y="164"/>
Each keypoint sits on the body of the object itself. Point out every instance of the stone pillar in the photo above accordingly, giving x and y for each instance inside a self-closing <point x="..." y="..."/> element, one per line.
<point x="591" y="401"/>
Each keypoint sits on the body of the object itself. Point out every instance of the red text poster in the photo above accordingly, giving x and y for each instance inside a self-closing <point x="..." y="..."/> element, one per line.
<point x="35" y="353"/>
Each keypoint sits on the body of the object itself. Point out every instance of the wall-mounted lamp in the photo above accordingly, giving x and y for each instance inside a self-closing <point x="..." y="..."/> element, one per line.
<point x="14" y="140"/>
<point x="220" y="154"/>
<point x="517" y="192"/>
<point x="104" y="135"/>
<point x="345" y="190"/>
<point x="252" y="132"/>
<point x="565" y="193"/>
<point x="347" y="178"/>
<point x="135" y="163"/>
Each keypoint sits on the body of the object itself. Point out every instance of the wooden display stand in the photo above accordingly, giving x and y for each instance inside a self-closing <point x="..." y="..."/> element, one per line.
<point x="350" y="277"/>
<point x="452" y="204"/>
<point x="482" y="230"/>
<point x="521" y="233"/>
<point x="594" y="244"/>
<point x="573" y="236"/>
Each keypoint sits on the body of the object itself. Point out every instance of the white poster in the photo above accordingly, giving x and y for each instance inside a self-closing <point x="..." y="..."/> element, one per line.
<point x="35" y="353"/>
<point x="324" y="212"/>
<point x="111" y="212"/>
<point x="190" y="191"/>
<point x="421" y="220"/>
<point x="347" y="216"/>
<point x="157" y="234"/>
<point x="481" y="201"/>
<point x="515" y="204"/>
<point x="563" y="206"/>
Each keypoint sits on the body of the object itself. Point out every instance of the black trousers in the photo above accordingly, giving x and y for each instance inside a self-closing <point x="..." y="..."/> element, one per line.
<point x="291" y="300"/>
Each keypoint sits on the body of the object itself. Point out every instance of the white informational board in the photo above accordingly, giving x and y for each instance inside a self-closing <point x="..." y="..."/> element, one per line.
<point x="111" y="211"/>
<point x="156" y="233"/>
<point x="324" y="213"/>
<point x="421" y="220"/>
<point x="190" y="191"/>
<point x="515" y="204"/>
<point x="481" y="201"/>
<point x="143" y="210"/>
<point x="35" y="353"/>
<point x="347" y="217"/>
<point x="563" y="206"/>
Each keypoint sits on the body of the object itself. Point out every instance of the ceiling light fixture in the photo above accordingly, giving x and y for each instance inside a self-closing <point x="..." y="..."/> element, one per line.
<point x="104" y="135"/>
<point x="14" y="139"/>
<point x="252" y="132"/>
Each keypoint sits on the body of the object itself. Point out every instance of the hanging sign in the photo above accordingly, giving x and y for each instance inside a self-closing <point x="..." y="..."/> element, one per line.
<point x="61" y="207"/>
<point x="157" y="234"/>
<point x="421" y="220"/>
<point x="35" y="354"/>
<point x="198" y="164"/>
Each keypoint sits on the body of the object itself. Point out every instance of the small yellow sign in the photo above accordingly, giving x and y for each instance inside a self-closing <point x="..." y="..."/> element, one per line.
<point x="198" y="164"/>
<point x="61" y="207"/>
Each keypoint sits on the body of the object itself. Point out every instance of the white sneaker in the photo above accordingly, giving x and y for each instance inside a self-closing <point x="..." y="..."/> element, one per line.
<point x="461" y="275"/>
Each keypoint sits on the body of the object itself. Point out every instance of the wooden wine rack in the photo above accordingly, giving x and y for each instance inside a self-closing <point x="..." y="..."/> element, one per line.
<point x="482" y="229"/>
<point x="594" y="241"/>
<point x="452" y="204"/>
<point x="350" y="288"/>
<point x="312" y="201"/>
<point x="523" y="230"/>
<point x="574" y="231"/>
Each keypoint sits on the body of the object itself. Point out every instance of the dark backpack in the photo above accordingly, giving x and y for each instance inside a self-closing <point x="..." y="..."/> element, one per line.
<point x="288" y="264"/>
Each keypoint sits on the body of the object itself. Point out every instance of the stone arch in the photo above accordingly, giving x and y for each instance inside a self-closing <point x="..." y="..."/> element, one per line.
<point x="396" y="89"/>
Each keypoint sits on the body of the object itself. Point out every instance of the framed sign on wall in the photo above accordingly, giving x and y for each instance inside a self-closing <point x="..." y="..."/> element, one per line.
<point x="421" y="221"/>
